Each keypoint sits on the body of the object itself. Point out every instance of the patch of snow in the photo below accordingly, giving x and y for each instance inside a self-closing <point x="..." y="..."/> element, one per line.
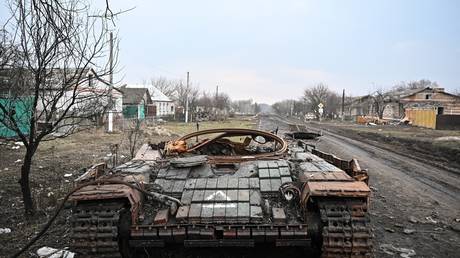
<point x="448" y="138"/>
<point x="5" y="230"/>
<point x="54" y="253"/>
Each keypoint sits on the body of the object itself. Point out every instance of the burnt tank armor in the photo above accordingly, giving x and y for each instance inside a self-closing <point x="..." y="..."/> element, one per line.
<point x="224" y="188"/>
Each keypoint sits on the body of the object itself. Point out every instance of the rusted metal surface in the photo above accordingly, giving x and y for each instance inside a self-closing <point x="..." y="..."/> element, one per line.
<point x="179" y="145"/>
<point x="337" y="189"/>
<point x="345" y="232"/>
<point x="352" y="167"/>
<point x="95" y="229"/>
<point x="92" y="173"/>
<point x="325" y="176"/>
<point x="234" y="200"/>
<point x="146" y="153"/>
<point x="110" y="192"/>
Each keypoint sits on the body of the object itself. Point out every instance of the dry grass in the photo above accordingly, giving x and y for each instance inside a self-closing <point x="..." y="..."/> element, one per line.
<point x="183" y="128"/>
<point x="406" y="132"/>
<point x="52" y="161"/>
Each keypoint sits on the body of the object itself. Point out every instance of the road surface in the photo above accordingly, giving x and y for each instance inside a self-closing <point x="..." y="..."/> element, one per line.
<point x="404" y="190"/>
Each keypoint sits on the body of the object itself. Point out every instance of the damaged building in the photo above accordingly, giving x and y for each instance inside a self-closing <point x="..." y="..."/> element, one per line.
<point x="432" y="108"/>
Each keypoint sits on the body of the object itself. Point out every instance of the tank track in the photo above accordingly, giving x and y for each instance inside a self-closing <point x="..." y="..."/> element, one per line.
<point x="346" y="231"/>
<point x="95" y="229"/>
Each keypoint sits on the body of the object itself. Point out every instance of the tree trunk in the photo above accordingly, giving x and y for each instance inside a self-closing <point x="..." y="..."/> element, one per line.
<point x="29" y="208"/>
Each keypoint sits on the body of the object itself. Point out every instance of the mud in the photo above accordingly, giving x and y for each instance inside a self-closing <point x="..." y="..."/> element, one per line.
<point x="407" y="195"/>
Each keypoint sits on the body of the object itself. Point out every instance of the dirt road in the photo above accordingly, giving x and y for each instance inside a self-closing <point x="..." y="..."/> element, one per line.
<point x="408" y="195"/>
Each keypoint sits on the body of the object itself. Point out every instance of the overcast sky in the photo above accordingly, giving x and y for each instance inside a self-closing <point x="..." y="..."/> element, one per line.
<point x="270" y="50"/>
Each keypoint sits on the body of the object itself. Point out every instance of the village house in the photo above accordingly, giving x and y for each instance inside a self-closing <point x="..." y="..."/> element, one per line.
<point x="164" y="105"/>
<point x="432" y="108"/>
<point x="91" y="96"/>
<point x="161" y="105"/>
<point x="136" y="102"/>
<point x="365" y="105"/>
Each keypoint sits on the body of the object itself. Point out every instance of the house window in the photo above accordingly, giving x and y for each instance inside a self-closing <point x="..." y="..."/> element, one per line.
<point x="428" y="96"/>
<point x="90" y="80"/>
<point x="172" y="108"/>
<point x="440" y="110"/>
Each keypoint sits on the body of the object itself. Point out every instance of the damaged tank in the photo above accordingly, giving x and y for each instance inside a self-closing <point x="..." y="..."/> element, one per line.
<point x="223" y="188"/>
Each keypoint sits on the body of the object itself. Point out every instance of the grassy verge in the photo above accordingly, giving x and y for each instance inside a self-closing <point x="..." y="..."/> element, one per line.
<point x="183" y="128"/>
<point x="435" y="145"/>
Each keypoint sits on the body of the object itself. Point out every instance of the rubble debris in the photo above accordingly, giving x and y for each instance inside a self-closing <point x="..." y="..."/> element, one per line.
<point x="412" y="219"/>
<point x="15" y="147"/>
<point x="435" y="237"/>
<point x="5" y="230"/>
<point x="431" y="220"/>
<point x="455" y="227"/>
<point x="392" y="250"/>
<point x="161" y="131"/>
<point x="19" y="143"/>
<point x="18" y="161"/>
<point x="448" y="138"/>
<point x="390" y="230"/>
<point x="68" y="175"/>
<point x="374" y="189"/>
<point x="162" y="217"/>
<point x="50" y="252"/>
<point x="399" y="225"/>
<point x="409" y="231"/>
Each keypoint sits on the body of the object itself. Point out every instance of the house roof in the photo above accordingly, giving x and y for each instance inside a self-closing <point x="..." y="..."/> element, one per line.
<point x="54" y="78"/>
<point x="429" y="89"/>
<point x="134" y="95"/>
<point x="155" y="93"/>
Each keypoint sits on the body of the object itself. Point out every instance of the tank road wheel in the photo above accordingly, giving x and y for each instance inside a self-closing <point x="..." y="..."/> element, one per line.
<point x="345" y="229"/>
<point x="124" y="232"/>
<point x="315" y="228"/>
<point x="99" y="229"/>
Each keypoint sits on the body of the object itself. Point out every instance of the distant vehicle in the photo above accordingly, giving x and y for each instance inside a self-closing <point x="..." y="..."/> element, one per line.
<point x="309" y="117"/>
<point x="223" y="188"/>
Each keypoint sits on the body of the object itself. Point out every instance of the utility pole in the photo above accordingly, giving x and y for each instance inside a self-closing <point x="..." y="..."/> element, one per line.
<point x="110" y="115"/>
<point x="217" y="98"/>
<point x="343" y="104"/>
<point x="186" y="99"/>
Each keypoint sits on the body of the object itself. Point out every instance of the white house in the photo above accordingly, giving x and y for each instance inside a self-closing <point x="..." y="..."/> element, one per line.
<point x="163" y="104"/>
<point x="92" y="92"/>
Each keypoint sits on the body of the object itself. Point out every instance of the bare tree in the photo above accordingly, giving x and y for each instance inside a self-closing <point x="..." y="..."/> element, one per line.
<point x="134" y="134"/>
<point x="457" y="92"/>
<point x="165" y="85"/>
<point x="412" y="85"/>
<point x="284" y="107"/>
<point x="316" y="95"/>
<point x="183" y="92"/>
<point x="380" y="100"/>
<point x="243" y="106"/>
<point x="222" y="101"/>
<point x="54" y="65"/>
<point x="205" y="101"/>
